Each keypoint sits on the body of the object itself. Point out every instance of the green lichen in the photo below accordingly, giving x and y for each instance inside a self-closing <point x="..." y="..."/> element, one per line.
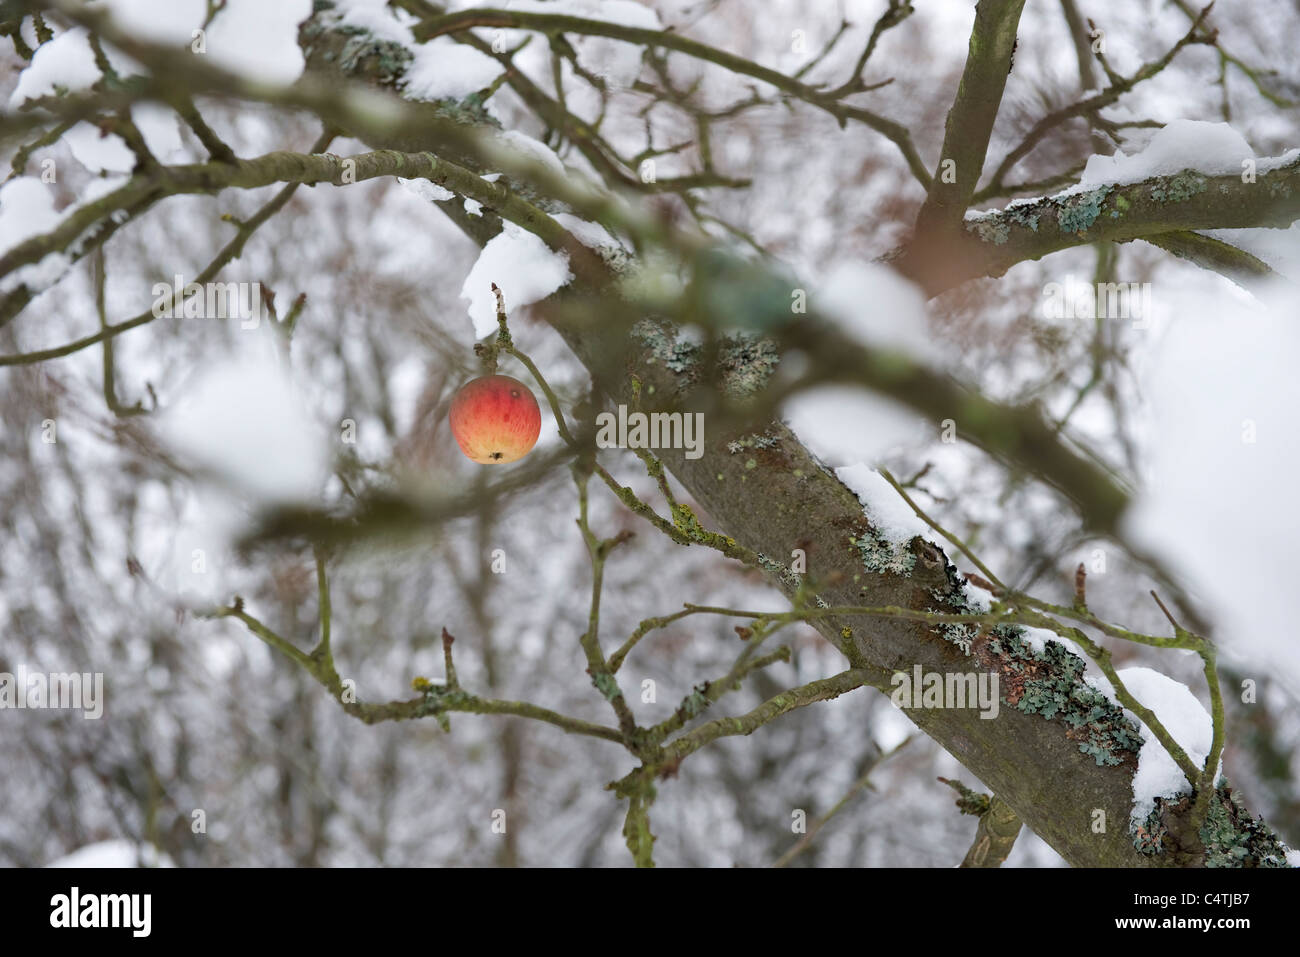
<point x="1076" y="214"/>
<point x="746" y="361"/>
<point x="439" y="700"/>
<point x="969" y="801"/>
<point x="1023" y="217"/>
<point x="607" y="685"/>
<point x="782" y="572"/>
<point x="694" y="703"/>
<point x="952" y="599"/>
<point x="365" y="52"/>
<point x="1231" y="837"/>
<point x="1048" y="682"/>
<point x="685" y="521"/>
<point x="1151" y="836"/>
<point x="1051" y="683"/>
<point x="990" y="229"/>
<point x="882" y="556"/>
<point x="1177" y="188"/>
<point x="679" y="357"/>
<point x="756" y="440"/>
<point x="356" y="51"/>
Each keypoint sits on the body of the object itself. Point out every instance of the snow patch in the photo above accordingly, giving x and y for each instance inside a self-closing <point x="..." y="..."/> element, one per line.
<point x="259" y="40"/>
<point x="99" y="151"/>
<point x="64" y="63"/>
<point x="844" y="425"/>
<point x="586" y="232"/>
<point x="889" y="514"/>
<point x="1185" y="718"/>
<point x="246" y="423"/>
<point x="376" y="17"/>
<point x="102" y="152"/>
<point x="426" y="190"/>
<point x="168" y="22"/>
<point x="26" y="210"/>
<point x="1219" y="501"/>
<point x="877" y="306"/>
<point x="525" y="268"/>
<point x="445" y="69"/>
<point x="116" y="853"/>
<point x="533" y="149"/>
<point x="1279" y="248"/>
<point x="1211" y="148"/>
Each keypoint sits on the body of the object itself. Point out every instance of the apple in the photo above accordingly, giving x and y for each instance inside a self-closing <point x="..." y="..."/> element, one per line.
<point x="495" y="419"/>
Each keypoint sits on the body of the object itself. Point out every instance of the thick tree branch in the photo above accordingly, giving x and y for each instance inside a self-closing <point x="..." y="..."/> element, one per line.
<point x="993" y="242"/>
<point x="970" y="120"/>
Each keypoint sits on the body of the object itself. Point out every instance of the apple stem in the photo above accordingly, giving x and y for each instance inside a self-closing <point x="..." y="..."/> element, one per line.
<point x="503" y="337"/>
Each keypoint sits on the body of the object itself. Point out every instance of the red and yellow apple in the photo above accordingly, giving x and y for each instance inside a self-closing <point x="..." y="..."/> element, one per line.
<point x="495" y="419"/>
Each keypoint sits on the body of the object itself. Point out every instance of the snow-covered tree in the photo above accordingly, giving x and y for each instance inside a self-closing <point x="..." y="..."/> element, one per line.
<point x="942" y="351"/>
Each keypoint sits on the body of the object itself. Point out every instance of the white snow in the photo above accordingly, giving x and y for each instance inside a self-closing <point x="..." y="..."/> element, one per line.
<point x="1039" y="638"/>
<point x="586" y="232"/>
<point x="107" y="152"/>
<point x="445" y="69"/>
<point x="259" y="40"/>
<point x="1218" y="504"/>
<point x="521" y="143"/>
<point x="66" y="63"/>
<point x="525" y="268"/>
<point x="26" y="210"/>
<point x="845" y="425"/>
<point x="168" y="22"/>
<point x="245" y="422"/>
<point x="115" y="853"/>
<point x="256" y="39"/>
<point x="160" y="128"/>
<point x="1279" y="248"/>
<point x="96" y="188"/>
<point x="981" y="599"/>
<point x="473" y="207"/>
<point x="375" y="16"/>
<point x="876" y="306"/>
<point x="1186" y="720"/>
<point x="99" y="151"/>
<point x="1277" y="162"/>
<point x="889" y="514"/>
<point x="430" y="192"/>
<point x="890" y="727"/>
<point x="1210" y="148"/>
